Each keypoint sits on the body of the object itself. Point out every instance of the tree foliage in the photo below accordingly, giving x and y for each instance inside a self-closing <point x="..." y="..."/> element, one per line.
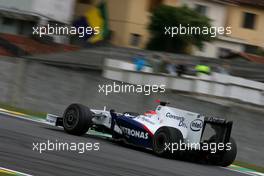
<point x="168" y="16"/>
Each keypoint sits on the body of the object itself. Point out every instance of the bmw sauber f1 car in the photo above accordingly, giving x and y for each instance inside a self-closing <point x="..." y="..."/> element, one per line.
<point x="168" y="131"/>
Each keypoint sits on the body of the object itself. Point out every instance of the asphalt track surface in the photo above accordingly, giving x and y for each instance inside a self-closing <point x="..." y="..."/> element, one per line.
<point x="16" y="144"/>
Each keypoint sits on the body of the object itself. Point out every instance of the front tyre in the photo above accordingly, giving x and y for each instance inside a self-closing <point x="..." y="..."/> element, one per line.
<point x="164" y="138"/>
<point x="77" y="119"/>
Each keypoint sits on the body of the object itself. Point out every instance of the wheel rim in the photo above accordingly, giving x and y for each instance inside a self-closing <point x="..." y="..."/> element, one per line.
<point x="71" y="118"/>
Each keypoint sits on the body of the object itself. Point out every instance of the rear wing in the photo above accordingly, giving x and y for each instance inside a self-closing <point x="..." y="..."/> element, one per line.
<point x="221" y="127"/>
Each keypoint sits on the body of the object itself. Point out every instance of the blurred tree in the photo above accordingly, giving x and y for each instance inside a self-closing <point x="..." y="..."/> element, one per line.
<point x="260" y="51"/>
<point x="168" y="16"/>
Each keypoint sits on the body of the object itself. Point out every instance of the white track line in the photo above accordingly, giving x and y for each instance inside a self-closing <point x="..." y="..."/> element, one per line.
<point x="13" y="171"/>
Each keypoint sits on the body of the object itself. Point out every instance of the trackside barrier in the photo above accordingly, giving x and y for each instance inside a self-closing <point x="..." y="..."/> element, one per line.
<point x="124" y="65"/>
<point x="219" y="85"/>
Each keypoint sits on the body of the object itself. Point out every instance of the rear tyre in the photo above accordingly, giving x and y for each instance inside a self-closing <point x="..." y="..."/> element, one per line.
<point x="230" y="155"/>
<point x="164" y="138"/>
<point x="77" y="119"/>
<point x="223" y="158"/>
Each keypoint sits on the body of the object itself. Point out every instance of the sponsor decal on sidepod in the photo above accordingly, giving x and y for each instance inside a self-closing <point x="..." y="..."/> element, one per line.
<point x="196" y="125"/>
<point x="134" y="133"/>
<point x="181" y="119"/>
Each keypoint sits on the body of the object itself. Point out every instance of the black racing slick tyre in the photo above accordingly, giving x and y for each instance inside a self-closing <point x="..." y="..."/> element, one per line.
<point x="226" y="157"/>
<point x="77" y="119"/>
<point x="163" y="140"/>
<point x="230" y="155"/>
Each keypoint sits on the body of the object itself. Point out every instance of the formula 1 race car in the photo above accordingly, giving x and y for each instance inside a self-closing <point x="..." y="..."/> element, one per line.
<point x="168" y="131"/>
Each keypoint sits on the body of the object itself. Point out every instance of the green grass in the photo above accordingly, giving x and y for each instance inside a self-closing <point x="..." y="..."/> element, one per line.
<point x="24" y="111"/>
<point x="249" y="166"/>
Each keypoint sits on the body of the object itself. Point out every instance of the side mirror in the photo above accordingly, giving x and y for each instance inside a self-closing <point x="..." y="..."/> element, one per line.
<point x="162" y="103"/>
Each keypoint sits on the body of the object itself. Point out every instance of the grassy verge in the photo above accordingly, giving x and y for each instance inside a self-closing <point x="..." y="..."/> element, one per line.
<point x="249" y="166"/>
<point x="24" y="111"/>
